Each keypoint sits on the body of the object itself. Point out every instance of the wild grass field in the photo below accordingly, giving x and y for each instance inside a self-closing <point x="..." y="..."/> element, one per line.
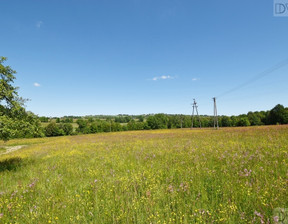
<point x="231" y="175"/>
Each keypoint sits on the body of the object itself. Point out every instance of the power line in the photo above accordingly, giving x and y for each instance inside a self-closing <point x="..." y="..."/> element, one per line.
<point x="257" y="77"/>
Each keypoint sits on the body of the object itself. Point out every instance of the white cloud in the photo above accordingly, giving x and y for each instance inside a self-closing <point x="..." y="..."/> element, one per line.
<point x="36" y="84"/>
<point x="39" y="24"/>
<point x="195" y="79"/>
<point x="163" y="77"/>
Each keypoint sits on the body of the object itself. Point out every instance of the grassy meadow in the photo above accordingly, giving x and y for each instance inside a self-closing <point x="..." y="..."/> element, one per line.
<point x="231" y="175"/>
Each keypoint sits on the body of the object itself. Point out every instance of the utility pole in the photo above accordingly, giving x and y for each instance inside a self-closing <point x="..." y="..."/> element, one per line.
<point x="194" y="105"/>
<point x="216" y="125"/>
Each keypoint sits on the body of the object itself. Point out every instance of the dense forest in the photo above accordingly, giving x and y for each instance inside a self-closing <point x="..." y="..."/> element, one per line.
<point x="104" y="123"/>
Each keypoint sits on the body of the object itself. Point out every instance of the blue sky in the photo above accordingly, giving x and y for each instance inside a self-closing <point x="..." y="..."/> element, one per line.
<point x="89" y="57"/>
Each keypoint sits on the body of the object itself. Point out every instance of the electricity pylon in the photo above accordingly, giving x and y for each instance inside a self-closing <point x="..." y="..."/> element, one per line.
<point x="194" y="105"/>
<point x="216" y="125"/>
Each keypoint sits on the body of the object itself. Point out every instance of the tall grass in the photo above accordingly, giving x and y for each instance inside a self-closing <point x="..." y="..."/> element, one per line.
<point x="233" y="175"/>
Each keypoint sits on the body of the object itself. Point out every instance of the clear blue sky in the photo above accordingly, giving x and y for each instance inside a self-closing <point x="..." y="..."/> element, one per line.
<point x="88" y="57"/>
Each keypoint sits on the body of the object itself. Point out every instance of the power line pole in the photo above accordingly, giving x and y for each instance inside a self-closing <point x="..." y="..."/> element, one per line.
<point x="194" y="105"/>
<point x="216" y="125"/>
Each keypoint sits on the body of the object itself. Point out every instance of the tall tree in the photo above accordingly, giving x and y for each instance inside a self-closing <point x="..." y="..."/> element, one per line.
<point x="278" y="115"/>
<point x="8" y="93"/>
<point x="14" y="120"/>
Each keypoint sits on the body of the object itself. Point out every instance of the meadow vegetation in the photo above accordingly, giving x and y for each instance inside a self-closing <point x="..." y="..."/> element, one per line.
<point x="232" y="175"/>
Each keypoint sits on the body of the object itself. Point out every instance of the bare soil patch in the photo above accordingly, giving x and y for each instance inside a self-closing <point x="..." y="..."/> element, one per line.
<point x="10" y="149"/>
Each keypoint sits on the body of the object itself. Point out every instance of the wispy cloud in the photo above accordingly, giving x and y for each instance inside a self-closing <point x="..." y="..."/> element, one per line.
<point x="163" y="77"/>
<point x="36" y="84"/>
<point x="195" y="79"/>
<point x="39" y="24"/>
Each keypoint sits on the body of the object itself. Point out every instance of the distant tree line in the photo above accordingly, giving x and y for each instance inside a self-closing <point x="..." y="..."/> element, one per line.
<point x="30" y="124"/>
<point x="101" y="123"/>
<point x="57" y="119"/>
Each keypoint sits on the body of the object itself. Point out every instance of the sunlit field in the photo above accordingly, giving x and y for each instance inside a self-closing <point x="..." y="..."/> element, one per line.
<point x="231" y="175"/>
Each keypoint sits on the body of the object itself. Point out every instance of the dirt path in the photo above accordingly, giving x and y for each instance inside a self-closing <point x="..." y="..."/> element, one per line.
<point x="12" y="149"/>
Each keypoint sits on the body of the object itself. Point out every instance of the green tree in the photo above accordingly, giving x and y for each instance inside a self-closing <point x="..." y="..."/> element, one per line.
<point x="52" y="129"/>
<point x="94" y="128"/>
<point x="44" y="119"/>
<point x="67" y="128"/>
<point x="243" y="121"/>
<point x="158" y="121"/>
<point x="83" y="126"/>
<point x="226" y="121"/>
<point x="90" y="119"/>
<point x="234" y="121"/>
<point x="254" y="118"/>
<point x="206" y="121"/>
<point x="278" y="115"/>
<point x="140" y="118"/>
<point x="15" y="122"/>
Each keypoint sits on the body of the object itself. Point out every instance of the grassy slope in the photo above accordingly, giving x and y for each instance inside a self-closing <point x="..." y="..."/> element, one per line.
<point x="234" y="175"/>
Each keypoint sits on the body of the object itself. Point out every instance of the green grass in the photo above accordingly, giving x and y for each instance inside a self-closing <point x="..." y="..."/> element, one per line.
<point x="233" y="175"/>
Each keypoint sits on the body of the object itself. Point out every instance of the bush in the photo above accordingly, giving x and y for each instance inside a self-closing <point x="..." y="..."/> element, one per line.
<point x="67" y="128"/>
<point x="52" y="129"/>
